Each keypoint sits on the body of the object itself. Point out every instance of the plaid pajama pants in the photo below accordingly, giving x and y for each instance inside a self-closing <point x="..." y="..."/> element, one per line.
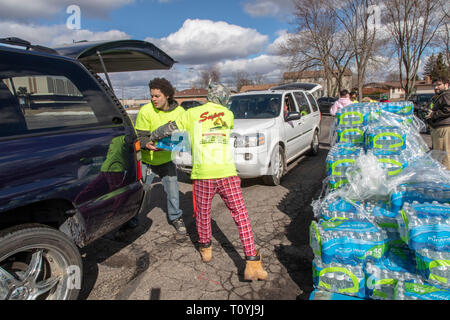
<point x="229" y="190"/>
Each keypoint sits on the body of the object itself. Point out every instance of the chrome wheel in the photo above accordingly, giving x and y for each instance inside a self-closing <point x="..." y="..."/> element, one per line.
<point x="48" y="270"/>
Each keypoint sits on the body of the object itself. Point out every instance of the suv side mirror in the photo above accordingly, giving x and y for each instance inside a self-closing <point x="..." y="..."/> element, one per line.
<point x="292" y="116"/>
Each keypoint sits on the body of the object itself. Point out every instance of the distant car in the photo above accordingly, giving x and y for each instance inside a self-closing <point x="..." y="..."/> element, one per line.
<point x="421" y="100"/>
<point x="191" y="103"/>
<point x="271" y="129"/>
<point x="70" y="160"/>
<point x="325" y="104"/>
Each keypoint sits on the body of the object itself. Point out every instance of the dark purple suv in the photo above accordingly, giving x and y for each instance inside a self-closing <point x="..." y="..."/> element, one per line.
<point x="70" y="168"/>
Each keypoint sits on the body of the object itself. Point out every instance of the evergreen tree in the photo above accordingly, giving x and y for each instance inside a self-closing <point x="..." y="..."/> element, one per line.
<point x="435" y="67"/>
<point x="440" y="68"/>
<point x="429" y="67"/>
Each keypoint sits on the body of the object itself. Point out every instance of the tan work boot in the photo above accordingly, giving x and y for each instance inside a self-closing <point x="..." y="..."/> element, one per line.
<point x="254" y="269"/>
<point x="206" y="252"/>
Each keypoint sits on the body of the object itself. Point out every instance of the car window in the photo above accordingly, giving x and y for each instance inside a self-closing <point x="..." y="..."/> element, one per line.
<point x="257" y="106"/>
<point x="302" y="102"/>
<point x="313" y="102"/>
<point x="289" y="104"/>
<point x="49" y="95"/>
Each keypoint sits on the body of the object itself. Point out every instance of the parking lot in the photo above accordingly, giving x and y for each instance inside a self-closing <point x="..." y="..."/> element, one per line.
<point x="152" y="262"/>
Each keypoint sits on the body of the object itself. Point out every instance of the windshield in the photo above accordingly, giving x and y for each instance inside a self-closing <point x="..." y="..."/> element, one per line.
<point x="425" y="98"/>
<point x="257" y="106"/>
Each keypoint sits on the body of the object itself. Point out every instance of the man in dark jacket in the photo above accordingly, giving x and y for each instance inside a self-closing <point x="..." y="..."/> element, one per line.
<point x="439" y="119"/>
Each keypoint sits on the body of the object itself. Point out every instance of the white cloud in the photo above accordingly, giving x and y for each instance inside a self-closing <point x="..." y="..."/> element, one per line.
<point x="262" y="8"/>
<point x="283" y="36"/>
<point x="13" y="10"/>
<point x="56" y="34"/>
<point x="206" y="41"/>
<point x="270" y="67"/>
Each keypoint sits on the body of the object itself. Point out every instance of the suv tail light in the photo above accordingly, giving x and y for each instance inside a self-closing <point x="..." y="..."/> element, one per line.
<point x="137" y="148"/>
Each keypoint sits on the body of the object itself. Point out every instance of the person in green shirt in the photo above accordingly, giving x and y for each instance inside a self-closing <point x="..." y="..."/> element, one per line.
<point x="213" y="171"/>
<point x="162" y="109"/>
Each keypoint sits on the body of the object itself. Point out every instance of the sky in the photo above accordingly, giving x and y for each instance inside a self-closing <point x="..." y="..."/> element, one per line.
<point x="232" y="35"/>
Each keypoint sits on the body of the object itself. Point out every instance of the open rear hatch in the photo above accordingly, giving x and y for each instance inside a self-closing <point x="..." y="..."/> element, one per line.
<point x="117" y="56"/>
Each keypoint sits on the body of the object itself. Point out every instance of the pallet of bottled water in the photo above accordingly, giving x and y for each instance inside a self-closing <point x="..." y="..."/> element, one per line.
<point x="383" y="227"/>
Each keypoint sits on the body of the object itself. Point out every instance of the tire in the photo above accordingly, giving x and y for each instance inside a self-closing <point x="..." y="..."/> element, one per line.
<point x="315" y="144"/>
<point x="277" y="166"/>
<point x="38" y="262"/>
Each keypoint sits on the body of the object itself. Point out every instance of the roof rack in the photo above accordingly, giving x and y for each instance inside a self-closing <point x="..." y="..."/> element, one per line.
<point x="24" y="43"/>
<point x="295" y="86"/>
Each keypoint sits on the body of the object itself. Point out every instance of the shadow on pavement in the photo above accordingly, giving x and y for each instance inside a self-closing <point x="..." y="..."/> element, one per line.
<point x="304" y="186"/>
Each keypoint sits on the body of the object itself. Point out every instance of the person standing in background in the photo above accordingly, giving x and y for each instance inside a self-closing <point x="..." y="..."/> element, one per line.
<point x="439" y="119"/>
<point x="162" y="109"/>
<point x="344" y="100"/>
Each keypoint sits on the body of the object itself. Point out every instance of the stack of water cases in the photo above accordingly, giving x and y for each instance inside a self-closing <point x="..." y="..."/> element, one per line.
<point x="394" y="246"/>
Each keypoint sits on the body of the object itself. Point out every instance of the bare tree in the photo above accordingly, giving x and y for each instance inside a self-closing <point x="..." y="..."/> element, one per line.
<point x="413" y="24"/>
<point x="359" y="19"/>
<point x="211" y="74"/>
<point x="317" y="43"/>
<point x="443" y="40"/>
<point x="241" y="78"/>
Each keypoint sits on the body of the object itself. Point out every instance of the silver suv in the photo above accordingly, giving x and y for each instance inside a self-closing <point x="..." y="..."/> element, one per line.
<point x="271" y="129"/>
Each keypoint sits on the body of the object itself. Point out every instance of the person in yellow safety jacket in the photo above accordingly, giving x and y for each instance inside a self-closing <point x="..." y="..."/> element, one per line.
<point x="162" y="109"/>
<point x="209" y="127"/>
<point x="353" y="97"/>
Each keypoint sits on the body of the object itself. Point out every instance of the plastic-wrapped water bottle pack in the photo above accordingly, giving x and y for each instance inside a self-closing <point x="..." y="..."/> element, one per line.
<point x="382" y="228"/>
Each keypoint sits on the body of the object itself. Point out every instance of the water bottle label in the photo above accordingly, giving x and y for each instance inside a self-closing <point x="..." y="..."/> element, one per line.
<point x="435" y="237"/>
<point x="351" y="251"/>
<point x="349" y="225"/>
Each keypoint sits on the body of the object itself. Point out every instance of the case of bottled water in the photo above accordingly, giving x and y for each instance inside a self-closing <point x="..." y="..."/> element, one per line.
<point x="339" y="278"/>
<point x="434" y="266"/>
<point x="358" y="114"/>
<point x="383" y="215"/>
<point x="340" y="157"/>
<point x="383" y="275"/>
<point x="421" y="192"/>
<point x="415" y="290"/>
<point x="351" y="134"/>
<point x="174" y="143"/>
<point x="385" y="140"/>
<point x="401" y="108"/>
<point x="425" y="225"/>
<point x="348" y="241"/>
<point x="393" y="163"/>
